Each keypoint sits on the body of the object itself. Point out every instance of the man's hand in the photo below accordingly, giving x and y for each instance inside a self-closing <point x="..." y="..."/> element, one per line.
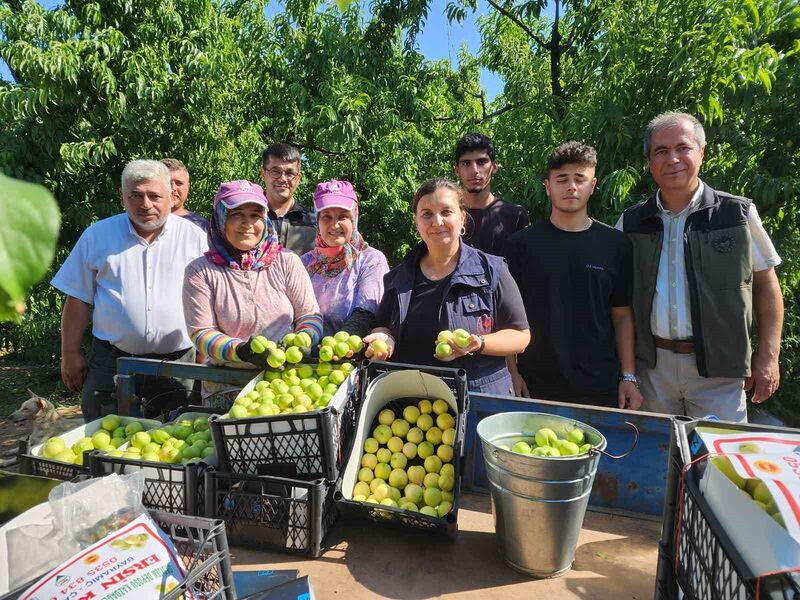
<point x="629" y="396"/>
<point x="73" y="370"/>
<point x="765" y="377"/>
<point x="520" y="387"/>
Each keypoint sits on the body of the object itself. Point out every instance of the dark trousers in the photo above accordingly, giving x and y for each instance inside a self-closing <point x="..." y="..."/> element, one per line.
<point x="162" y="393"/>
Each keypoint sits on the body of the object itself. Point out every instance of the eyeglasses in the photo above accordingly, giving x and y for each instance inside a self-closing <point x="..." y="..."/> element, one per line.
<point x="277" y="173"/>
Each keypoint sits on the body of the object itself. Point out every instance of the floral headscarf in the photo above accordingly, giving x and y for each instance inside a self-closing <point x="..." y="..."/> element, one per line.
<point x="328" y="260"/>
<point x="221" y="252"/>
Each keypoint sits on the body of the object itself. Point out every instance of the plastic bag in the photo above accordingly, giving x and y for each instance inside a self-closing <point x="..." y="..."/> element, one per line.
<point x="89" y="510"/>
<point x="82" y="514"/>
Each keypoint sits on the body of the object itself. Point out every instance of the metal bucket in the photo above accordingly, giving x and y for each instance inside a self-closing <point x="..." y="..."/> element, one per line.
<point x="538" y="502"/>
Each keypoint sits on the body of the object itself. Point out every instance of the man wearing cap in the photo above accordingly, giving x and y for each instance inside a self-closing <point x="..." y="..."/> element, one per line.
<point x="125" y="275"/>
<point x="703" y="264"/>
<point x="346" y="272"/>
<point x="179" y="179"/>
<point x="294" y="223"/>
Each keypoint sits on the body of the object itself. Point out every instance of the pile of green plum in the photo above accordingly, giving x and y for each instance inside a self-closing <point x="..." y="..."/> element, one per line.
<point x="111" y="436"/>
<point x="294" y="347"/>
<point x="755" y="489"/>
<point x="546" y="443"/>
<point x="184" y="442"/>
<point x="408" y="461"/>
<point x="300" y="389"/>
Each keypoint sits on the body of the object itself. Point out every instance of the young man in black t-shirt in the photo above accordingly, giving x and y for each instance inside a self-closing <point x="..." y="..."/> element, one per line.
<point x="575" y="276"/>
<point x="492" y="221"/>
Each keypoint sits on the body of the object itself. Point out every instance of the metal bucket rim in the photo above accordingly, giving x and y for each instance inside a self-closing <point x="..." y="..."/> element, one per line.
<point x="526" y="414"/>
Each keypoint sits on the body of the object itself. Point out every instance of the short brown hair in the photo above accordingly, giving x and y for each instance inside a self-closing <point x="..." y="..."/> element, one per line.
<point x="571" y="153"/>
<point x="431" y="186"/>
<point x="173" y="164"/>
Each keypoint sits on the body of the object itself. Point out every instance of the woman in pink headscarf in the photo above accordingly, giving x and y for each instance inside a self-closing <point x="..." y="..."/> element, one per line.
<point x="246" y="285"/>
<point x="347" y="274"/>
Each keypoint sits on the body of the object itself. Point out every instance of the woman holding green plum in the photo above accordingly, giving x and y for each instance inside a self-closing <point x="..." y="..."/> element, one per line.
<point x="246" y="285"/>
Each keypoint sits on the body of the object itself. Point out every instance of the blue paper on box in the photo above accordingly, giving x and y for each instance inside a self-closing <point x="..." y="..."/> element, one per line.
<point x="299" y="589"/>
<point x="248" y="583"/>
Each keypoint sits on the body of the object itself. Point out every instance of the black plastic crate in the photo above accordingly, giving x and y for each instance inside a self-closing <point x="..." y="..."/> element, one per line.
<point x="45" y="467"/>
<point x="173" y="488"/>
<point x="203" y="546"/>
<point x="697" y="560"/>
<point x="283" y="514"/>
<point x="396" y="517"/>
<point x="309" y="445"/>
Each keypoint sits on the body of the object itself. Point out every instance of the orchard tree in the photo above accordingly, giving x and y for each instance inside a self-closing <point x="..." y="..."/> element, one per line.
<point x="212" y="82"/>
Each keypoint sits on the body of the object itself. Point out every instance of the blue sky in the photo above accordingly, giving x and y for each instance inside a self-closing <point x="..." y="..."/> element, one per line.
<point x="439" y="39"/>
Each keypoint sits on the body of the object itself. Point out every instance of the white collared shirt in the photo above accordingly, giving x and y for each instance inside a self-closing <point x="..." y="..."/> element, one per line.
<point x="671" y="316"/>
<point x="135" y="287"/>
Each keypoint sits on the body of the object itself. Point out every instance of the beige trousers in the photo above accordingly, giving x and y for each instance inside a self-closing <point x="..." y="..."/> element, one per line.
<point x="675" y="387"/>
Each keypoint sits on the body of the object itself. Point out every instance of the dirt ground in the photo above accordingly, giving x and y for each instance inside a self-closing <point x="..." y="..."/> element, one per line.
<point x="615" y="559"/>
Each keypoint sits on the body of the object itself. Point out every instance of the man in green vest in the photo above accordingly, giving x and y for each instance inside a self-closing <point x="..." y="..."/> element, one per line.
<point x="703" y="264"/>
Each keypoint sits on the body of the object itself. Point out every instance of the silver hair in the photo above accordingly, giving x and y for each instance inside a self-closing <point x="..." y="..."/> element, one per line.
<point x="144" y="170"/>
<point x="670" y="119"/>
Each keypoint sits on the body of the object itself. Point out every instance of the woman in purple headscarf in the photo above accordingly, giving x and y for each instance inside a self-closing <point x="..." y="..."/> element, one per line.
<point x="246" y="285"/>
<point x="347" y="274"/>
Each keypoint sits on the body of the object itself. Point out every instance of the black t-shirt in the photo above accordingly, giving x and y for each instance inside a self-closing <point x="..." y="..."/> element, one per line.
<point x="489" y="228"/>
<point x="423" y="313"/>
<point x="422" y="325"/>
<point x="297" y="229"/>
<point x="569" y="281"/>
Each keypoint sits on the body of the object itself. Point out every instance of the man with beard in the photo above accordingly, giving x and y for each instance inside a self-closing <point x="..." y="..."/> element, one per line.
<point x="126" y="274"/>
<point x="575" y="275"/>
<point x="492" y="220"/>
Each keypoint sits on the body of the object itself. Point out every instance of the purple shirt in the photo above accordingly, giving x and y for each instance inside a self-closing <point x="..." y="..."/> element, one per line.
<point x="359" y="287"/>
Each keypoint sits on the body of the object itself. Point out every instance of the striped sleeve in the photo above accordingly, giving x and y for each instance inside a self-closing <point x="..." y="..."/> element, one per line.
<point x="312" y="325"/>
<point x="216" y="345"/>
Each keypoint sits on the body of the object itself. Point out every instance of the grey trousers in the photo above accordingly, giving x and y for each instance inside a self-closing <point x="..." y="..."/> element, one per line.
<point x="98" y="387"/>
<point x="675" y="387"/>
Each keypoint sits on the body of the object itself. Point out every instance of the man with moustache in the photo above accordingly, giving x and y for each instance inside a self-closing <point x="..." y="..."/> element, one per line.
<point x="704" y="265"/>
<point x="575" y="277"/>
<point x="126" y="274"/>
<point x="492" y="220"/>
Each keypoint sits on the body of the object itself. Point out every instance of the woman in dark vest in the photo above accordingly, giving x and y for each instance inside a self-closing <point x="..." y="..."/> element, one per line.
<point x="444" y="284"/>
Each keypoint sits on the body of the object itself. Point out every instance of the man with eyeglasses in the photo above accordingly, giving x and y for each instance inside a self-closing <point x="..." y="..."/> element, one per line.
<point x="492" y="221"/>
<point x="294" y="223"/>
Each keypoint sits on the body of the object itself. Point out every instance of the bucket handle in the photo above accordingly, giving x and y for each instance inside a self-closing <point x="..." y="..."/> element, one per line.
<point x="624" y="454"/>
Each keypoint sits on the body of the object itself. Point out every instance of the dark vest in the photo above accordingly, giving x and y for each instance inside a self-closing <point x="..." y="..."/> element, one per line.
<point x="469" y="304"/>
<point x="719" y="271"/>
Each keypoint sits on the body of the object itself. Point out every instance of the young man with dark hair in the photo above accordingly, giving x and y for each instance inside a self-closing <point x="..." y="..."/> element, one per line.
<point x="294" y="222"/>
<point x="575" y="275"/>
<point x="179" y="188"/>
<point x="492" y="221"/>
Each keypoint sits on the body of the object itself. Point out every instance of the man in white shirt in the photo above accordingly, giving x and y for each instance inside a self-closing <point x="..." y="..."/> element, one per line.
<point x="703" y="264"/>
<point x="126" y="274"/>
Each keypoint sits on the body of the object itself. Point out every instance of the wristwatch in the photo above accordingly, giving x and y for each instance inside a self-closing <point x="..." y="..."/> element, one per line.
<point x="482" y="346"/>
<point x="630" y="377"/>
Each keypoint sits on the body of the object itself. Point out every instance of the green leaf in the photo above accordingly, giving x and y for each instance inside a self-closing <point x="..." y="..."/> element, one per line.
<point x="342" y="5"/>
<point x="29" y="222"/>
